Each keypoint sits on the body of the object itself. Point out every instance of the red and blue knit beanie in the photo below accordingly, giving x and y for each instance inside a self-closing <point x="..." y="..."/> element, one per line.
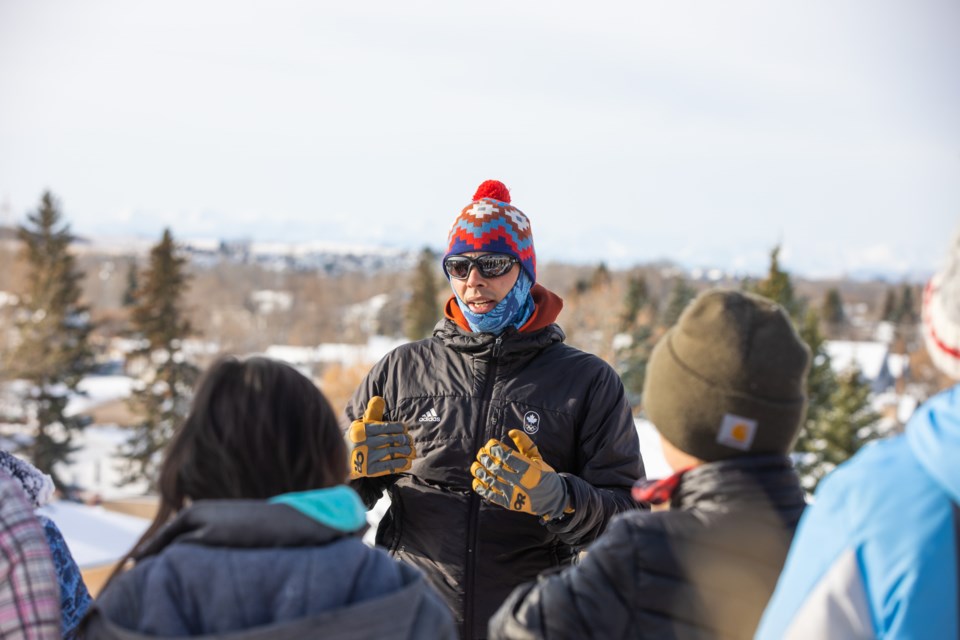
<point x="491" y="224"/>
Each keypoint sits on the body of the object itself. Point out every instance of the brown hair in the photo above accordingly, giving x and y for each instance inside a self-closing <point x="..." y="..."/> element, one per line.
<point x="257" y="428"/>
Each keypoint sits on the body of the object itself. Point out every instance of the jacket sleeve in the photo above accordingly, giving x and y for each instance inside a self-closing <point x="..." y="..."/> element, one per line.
<point x="369" y="489"/>
<point x="821" y="592"/>
<point x="74" y="597"/>
<point x="29" y="598"/>
<point x="118" y="603"/>
<point x="590" y="600"/>
<point x="837" y="607"/>
<point x="610" y="463"/>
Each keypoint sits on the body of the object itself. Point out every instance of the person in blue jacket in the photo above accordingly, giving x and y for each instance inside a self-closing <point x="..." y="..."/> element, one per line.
<point x="257" y="534"/>
<point x="878" y="553"/>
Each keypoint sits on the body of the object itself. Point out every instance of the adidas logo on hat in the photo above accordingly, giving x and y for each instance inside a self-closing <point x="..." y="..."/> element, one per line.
<point x="430" y="416"/>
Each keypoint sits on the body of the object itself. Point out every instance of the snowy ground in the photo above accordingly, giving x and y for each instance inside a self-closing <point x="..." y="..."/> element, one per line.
<point x="95" y="535"/>
<point x="96" y="390"/>
<point x="653" y="460"/>
<point x="96" y="466"/>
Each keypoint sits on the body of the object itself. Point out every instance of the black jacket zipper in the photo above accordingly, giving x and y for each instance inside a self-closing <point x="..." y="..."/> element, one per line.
<point x="472" y="529"/>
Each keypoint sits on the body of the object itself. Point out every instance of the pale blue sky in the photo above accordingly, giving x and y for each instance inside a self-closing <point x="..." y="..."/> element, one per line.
<point x="704" y="132"/>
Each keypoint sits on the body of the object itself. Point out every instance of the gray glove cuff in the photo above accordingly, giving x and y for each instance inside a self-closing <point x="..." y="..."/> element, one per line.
<point x="558" y="502"/>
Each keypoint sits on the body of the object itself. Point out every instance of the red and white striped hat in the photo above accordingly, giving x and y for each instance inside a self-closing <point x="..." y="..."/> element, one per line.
<point x="941" y="314"/>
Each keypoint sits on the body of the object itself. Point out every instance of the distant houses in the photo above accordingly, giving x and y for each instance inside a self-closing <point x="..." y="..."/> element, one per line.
<point x="885" y="372"/>
<point x="881" y="368"/>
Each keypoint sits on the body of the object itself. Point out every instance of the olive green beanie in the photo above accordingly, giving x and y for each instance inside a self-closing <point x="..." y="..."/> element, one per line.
<point x="729" y="378"/>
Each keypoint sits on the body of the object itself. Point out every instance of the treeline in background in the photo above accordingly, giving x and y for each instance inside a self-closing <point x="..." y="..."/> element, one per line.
<point x="71" y="308"/>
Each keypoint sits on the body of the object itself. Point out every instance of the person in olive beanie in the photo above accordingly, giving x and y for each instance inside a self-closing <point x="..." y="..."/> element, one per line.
<point x="725" y="387"/>
<point x="728" y="379"/>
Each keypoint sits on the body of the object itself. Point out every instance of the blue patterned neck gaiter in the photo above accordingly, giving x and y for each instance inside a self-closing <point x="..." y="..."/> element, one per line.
<point x="515" y="309"/>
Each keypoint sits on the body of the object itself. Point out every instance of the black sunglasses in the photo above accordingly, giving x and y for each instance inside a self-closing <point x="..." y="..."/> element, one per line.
<point x="490" y="265"/>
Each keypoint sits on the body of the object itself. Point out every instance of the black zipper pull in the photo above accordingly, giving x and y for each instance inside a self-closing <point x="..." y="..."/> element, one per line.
<point x="498" y="347"/>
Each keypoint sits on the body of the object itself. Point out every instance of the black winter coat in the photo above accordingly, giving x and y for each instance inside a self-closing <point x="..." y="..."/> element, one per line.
<point x="457" y="390"/>
<point x="704" y="569"/>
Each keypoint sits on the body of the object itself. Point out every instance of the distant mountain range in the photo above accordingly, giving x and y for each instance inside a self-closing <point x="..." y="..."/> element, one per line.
<point x="332" y="257"/>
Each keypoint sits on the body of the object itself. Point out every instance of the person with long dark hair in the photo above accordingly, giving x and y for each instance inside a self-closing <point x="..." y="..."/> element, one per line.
<point x="256" y="533"/>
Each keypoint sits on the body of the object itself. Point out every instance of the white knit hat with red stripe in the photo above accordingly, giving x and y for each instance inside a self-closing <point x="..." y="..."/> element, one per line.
<point x="941" y="314"/>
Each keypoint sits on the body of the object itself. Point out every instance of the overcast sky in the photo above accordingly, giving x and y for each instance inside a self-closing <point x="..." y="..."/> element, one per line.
<point x="704" y="132"/>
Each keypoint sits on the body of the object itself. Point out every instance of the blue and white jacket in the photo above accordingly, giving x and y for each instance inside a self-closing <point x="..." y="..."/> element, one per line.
<point x="877" y="555"/>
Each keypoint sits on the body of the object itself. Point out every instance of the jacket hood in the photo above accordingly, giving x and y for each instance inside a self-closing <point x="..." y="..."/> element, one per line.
<point x="402" y="614"/>
<point x="761" y="481"/>
<point x="933" y="433"/>
<point x="37" y="485"/>
<point x="547" y="308"/>
<point x="245" y="524"/>
<point x="308" y="520"/>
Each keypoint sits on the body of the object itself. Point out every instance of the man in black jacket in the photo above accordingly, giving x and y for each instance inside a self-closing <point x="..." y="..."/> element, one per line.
<point x="504" y="450"/>
<point x="725" y="388"/>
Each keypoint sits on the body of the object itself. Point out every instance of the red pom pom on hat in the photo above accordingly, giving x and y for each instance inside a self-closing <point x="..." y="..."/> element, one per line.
<point x="492" y="189"/>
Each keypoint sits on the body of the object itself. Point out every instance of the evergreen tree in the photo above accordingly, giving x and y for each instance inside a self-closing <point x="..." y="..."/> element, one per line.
<point x="680" y="296"/>
<point x="778" y="287"/>
<point x="889" y="313"/>
<point x="833" y="308"/>
<point x="601" y="277"/>
<point x="162" y="394"/>
<point x="632" y="362"/>
<point x="53" y="352"/>
<point x="130" y="290"/>
<point x="422" y="311"/>
<point x="581" y="287"/>
<point x="843" y="425"/>
<point x="906" y="312"/>
<point x="638" y="295"/>
<point x="821" y="443"/>
<point x="632" y="358"/>
<point x="821" y="380"/>
<point x="821" y="385"/>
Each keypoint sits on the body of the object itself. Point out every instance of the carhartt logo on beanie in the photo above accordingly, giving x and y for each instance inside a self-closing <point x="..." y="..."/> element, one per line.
<point x="941" y="314"/>
<point x="490" y="223"/>
<point x="729" y="379"/>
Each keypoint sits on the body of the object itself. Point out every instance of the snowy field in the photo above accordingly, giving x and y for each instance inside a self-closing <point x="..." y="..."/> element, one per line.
<point x="95" y="535"/>
<point x="96" y="390"/>
<point x="96" y="466"/>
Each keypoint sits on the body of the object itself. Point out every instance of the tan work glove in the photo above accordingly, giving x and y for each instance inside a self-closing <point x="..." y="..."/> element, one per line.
<point x="379" y="448"/>
<point x="519" y="479"/>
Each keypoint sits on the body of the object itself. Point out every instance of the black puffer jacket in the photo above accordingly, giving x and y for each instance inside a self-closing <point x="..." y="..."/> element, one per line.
<point x="704" y="569"/>
<point x="456" y="391"/>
